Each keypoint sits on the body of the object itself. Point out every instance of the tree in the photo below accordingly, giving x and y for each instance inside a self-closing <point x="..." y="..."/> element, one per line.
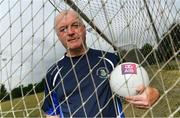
<point x="3" y="89"/>
<point x="146" y="50"/>
<point x="40" y="86"/>
<point x="16" y="92"/>
<point x="175" y="35"/>
<point x="4" y="95"/>
<point x="28" y="89"/>
<point x="170" y="43"/>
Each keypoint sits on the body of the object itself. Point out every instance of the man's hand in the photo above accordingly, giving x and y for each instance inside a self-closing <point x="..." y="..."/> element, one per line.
<point x="145" y="99"/>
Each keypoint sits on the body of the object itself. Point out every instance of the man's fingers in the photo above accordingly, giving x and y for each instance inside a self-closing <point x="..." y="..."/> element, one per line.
<point x="140" y="89"/>
<point x="138" y="103"/>
<point x="135" y="98"/>
<point x="142" y="106"/>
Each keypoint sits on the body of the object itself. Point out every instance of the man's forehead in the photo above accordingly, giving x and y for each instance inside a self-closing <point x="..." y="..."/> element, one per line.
<point x="66" y="14"/>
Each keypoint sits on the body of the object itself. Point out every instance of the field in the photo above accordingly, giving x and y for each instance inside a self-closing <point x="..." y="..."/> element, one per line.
<point x="31" y="105"/>
<point x="166" y="80"/>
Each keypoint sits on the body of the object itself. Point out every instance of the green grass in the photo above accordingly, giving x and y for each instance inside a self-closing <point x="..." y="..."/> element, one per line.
<point x="29" y="102"/>
<point x="164" y="79"/>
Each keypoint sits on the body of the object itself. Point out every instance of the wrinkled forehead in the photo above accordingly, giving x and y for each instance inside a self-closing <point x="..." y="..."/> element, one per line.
<point x="67" y="15"/>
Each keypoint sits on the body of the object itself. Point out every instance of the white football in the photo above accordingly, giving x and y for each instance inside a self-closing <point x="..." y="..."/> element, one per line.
<point x="126" y="77"/>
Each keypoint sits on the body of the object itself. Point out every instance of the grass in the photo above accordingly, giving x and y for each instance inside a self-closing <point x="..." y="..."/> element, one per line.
<point x="163" y="80"/>
<point x="30" y="103"/>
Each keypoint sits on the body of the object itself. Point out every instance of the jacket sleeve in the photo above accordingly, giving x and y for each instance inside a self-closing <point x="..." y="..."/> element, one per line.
<point x="51" y="103"/>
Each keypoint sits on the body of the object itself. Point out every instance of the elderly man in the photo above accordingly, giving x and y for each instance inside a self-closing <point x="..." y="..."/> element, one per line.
<point x="75" y="85"/>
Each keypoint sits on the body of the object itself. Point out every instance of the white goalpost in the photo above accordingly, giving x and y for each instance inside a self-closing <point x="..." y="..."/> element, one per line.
<point x="146" y="32"/>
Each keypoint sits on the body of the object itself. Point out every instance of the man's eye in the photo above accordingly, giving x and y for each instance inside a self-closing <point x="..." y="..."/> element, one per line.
<point x="62" y="29"/>
<point x="76" y="25"/>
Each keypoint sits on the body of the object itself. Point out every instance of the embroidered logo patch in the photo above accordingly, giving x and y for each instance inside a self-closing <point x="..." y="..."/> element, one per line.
<point x="102" y="72"/>
<point x="129" y="69"/>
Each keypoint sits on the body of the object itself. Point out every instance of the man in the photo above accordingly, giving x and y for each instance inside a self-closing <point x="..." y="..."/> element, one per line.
<point x="77" y="85"/>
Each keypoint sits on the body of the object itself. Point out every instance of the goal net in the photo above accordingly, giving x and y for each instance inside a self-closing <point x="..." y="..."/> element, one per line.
<point x="146" y="32"/>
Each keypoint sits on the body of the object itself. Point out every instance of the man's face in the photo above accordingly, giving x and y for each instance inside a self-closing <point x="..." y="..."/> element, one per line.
<point x="71" y="31"/>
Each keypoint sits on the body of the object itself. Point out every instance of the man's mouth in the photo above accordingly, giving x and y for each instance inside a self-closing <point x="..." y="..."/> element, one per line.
<point x="69" y="40"/>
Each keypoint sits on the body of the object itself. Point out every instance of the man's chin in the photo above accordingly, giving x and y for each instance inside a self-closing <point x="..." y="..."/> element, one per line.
<point x="74" y="47"/>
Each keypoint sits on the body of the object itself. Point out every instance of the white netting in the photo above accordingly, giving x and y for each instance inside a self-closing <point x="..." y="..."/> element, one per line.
<point x="143" y="31"/>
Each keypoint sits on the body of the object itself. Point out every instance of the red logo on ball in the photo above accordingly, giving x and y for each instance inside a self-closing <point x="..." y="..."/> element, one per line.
<point x="129" y="69"/>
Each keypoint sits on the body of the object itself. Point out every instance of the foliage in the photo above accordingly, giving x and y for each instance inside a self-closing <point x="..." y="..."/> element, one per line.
<point x="40" y="86"/>
<point x="4" y="95"/>
<point x="166" y="48"/>
<point x="146" y="50"/>
<point x="17" y="92"/>
<point x="24" y="90"/>
<point x="170" y="43"/>
<point x="3" y="89"/>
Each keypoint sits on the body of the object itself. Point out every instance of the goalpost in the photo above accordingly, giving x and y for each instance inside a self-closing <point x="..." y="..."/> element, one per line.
<point x="146" y="32"/>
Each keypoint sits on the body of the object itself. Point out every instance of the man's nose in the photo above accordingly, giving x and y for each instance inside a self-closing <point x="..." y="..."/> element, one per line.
<point x="70" y="30"/>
